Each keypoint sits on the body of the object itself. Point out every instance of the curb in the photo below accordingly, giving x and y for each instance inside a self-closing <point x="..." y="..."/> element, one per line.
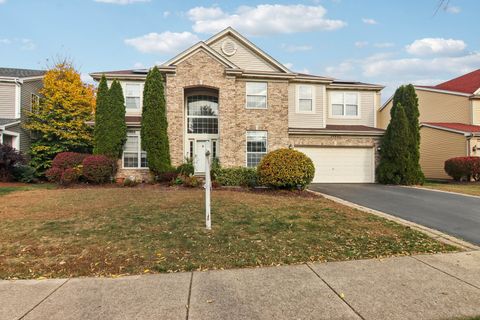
<point x="435" y="234"/>
<point x="442" y="191"/>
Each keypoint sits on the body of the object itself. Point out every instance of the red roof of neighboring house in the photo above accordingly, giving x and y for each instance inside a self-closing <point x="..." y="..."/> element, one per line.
<point x="455" y="126"/>
<point x="468" y="83"/>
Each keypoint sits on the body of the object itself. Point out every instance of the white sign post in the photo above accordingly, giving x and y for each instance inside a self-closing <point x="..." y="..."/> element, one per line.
<point x="208" y="188"/>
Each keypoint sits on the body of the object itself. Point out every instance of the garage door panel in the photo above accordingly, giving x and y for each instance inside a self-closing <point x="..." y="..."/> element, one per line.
<point x="341" y="165"/>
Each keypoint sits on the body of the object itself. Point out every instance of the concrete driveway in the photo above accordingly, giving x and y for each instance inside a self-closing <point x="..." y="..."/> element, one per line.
<point x="453" y="214"/>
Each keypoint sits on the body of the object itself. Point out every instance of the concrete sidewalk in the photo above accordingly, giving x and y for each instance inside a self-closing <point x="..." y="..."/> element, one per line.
<point x="442" y="286"/>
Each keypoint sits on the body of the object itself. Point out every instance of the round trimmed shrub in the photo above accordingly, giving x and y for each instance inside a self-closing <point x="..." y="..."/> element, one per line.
<point x="286" y="169"/>
<point x="463" y="168"/>
<point x="98" y="168"/>
<point x="54" y="174"/>
<point x="69" y="176"/>
<point x="65" y="160"/>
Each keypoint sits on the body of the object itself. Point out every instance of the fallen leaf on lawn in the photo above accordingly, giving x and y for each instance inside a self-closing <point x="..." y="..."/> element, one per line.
<point x="342" y="295"/>
<point x="146" y="271"/>
<point x="210" y="301"/>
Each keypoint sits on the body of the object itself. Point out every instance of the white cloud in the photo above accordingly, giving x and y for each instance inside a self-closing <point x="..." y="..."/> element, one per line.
<point x="384" y="44"/>
<point x="165" y="42"/>
<point x="121" y="2"/>
<point x="296" y="48"/>
<point x="27" y="44"/>
<point x="369" y="21"/>
<point x="85" y="77"/>
<point x="263" y="19"/>
<point x="436" y="46"/>
<point x="166" y="14"/>
<point x="138" y="65"/>
<point x="453" y="9"/>
<point x="5" y="40"/>
<point x="361" y="44"/>
<point x="2" y="1"/>
<point x="289" y="65"/>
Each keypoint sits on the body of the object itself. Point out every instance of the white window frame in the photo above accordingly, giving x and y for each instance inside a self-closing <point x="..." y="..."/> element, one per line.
<point x="256" y="95"/>
<point x="15" y="138"/>
<point x="246" y="145"/>
<point x="136" y="133"/>
<point x="297" y="98"/>
<point x="37" y="97"/>
<point x="124" y="87"/>
<point x="331" y="116"/>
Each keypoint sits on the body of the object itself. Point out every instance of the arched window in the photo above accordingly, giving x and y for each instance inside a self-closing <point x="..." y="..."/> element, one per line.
<point x="202" y="114"/>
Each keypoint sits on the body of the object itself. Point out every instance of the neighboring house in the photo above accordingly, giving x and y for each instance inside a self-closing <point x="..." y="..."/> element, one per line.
<point x="449" y="122"/>
<point x="19" y="91"/>
<point x="228" y="96"/>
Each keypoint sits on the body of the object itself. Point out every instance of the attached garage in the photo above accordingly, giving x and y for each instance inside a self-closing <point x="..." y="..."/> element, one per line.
<point x="342" y="164"/>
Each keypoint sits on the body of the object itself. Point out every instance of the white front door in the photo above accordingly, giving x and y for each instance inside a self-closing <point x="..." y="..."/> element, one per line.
<point x="200" y="148"/>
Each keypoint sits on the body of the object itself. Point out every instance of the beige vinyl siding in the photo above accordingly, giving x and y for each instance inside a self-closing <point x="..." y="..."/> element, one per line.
<point x="306" y="120"/>
<point x="244" y="58"/>
<point x="367" y="109"/>
<point x="7" y="100"/>
<point x="437" y="146"/>
<point x="476" y="112"/>
<point x="435" y="107"/>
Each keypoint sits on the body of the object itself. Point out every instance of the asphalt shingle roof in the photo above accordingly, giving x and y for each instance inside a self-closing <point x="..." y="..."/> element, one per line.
<point x="20" y="73"/>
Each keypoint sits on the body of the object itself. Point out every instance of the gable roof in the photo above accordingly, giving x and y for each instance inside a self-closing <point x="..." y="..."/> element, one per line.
<point x="453" y="126"/>
<point x="20" y="73"/>
<point x="235" y="34"/>
<point x="467" y="83"/>
<point x="193" y="49"/>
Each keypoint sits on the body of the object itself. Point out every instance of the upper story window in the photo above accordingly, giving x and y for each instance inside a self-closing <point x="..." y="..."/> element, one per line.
<point x="256" y="95"/>
<point x="305" y="99"/>
<point x="202" y="114"/>
<point x="344" y="104"/>
<point x="133" y="96"/>
<point x="256" y="147"/>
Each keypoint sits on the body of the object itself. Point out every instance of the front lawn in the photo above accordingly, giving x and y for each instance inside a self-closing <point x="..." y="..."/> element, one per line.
<point x="471" y="188"/>
<point x="6" y="187"/>
<point x="112" y="231"/>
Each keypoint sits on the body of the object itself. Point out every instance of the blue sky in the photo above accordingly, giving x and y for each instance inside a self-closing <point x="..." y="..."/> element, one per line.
<point x="385" y="42"/>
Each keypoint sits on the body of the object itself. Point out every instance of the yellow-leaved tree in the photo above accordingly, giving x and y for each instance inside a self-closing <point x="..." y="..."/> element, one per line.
<point x="58" y="122"/>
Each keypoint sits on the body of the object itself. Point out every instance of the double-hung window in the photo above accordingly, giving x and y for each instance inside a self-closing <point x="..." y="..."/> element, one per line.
<point x="202" y="114"/>
<point x="256" y="147"/>
<point x="133" y="96"/>
<point x="133" y="155"/>
<point x="256" y="95"/>
<point x="305" y="99"/>
<point x="344" y="104"/>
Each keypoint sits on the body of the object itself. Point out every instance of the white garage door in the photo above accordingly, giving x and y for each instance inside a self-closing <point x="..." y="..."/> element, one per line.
<point x="341" y="165"/>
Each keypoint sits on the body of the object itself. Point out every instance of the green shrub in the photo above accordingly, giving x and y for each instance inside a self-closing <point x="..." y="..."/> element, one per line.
<point x="25" y="173"/>
<point x="286" y="169"/>
<point x="168" y="176"/>
<point x="238" y="176"/>
<point x="186" y="168"/>
<point x="191" y="181"/>
<point x="9" y="158"/>
<point x="130" y="182"/>
<point x="215" y="168"/>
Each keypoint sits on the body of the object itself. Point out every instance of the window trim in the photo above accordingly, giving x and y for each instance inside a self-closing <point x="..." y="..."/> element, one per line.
<point x="331" y="116"/>
<point x="139" y="152"/>
<point x="246" y="145"/>
<point x="15" y="138"/>
<point x="256" y="95"/>
<point x="297" y="99"/>
<point x="124" y="87"/>
<point x="37" y="97"/>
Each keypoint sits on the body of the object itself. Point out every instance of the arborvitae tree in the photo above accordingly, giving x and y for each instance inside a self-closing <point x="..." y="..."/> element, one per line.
<point x="58" y="123"/>
<point x="115" y="126"/>
<point x="395" y="152"/>
<point x="101" y="118"/>
<point x="407" y="97"/>
<point x="154" y="124"/>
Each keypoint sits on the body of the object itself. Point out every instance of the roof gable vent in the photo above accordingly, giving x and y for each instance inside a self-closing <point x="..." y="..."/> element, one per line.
<point x="229" y="47"/>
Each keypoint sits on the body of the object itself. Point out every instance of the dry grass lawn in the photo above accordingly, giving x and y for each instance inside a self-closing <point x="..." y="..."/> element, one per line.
<point x="118" y="231"/>
<point x="471" y="188"/>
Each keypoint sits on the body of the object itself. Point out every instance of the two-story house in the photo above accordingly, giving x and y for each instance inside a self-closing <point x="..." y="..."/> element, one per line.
<point x="449" y="122"/>
<point x="19" y="91"/>
<point x="228" y="96"/>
